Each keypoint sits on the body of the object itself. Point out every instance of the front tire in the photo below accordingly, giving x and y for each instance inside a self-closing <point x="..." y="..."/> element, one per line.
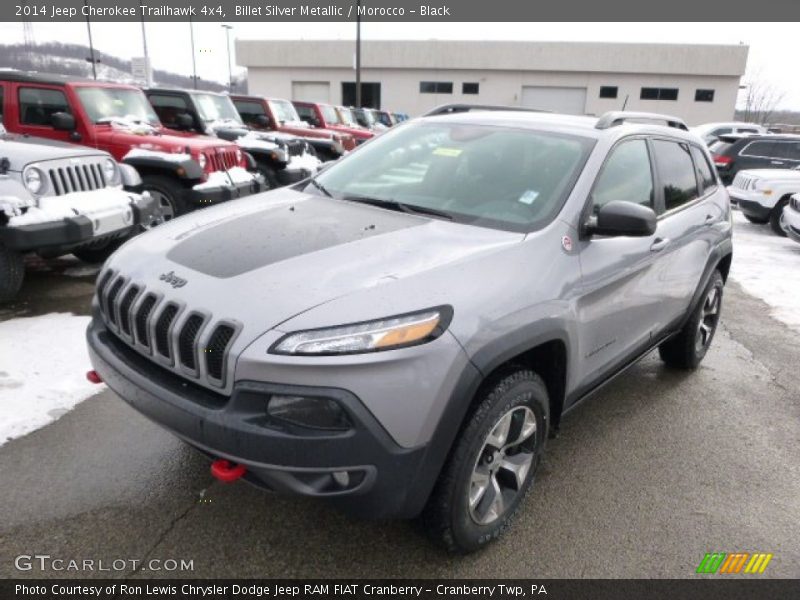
<point x="755" y="220"/>
<point x="168" y="194"/>
<point x="776" y="215"/>
<point x="12" y="272"/>
<point x="689" y="346"/>
<point x="492" y="464"/>
<point x="270" y="176"/>
<point x="96" y="254"/>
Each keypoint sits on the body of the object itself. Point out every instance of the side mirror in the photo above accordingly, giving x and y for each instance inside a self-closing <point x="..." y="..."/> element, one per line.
<point x="62" y="121"/>
<point x="184" y="121"/>
<point x="262" y="121"/>
<point x="619" y="218"/>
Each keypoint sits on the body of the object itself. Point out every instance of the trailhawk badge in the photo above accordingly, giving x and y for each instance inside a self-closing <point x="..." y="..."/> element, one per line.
<point x="173" y="279"/>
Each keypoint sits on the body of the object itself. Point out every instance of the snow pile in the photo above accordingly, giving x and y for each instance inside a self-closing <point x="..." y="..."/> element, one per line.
<point x="12" y="206"/>
<point x="41" y="380"/>
<point x="306" y="161"/>
<point x="94" y="204"/>
<point x="237" y="175"/>
<point x="253" y="140"/>
<point x="130" y="124"/>
<point x="177" y="157"/>
<point x="768" y="267"/>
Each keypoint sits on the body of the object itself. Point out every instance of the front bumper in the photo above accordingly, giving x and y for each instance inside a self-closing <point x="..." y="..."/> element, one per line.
<point x="751" y="202"/>
<point x="205" y="195"/>
<point x="93" y="225"/>
<point x="385" y="478"/>
<point x="290" y="176"/>
<point x="791" y="223"/>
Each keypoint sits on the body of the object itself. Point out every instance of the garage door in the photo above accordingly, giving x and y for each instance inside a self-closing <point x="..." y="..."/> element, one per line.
<point x="311" y="91"/>
<point x="568" y="100"/>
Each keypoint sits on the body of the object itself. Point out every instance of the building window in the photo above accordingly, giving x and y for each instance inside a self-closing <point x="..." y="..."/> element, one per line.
<point x="470" y="88"/>
<point x="435" y="87"/>
<point x="649" y="93"/>
<point x="608" y="91"/>
<point x="704" y="95"/>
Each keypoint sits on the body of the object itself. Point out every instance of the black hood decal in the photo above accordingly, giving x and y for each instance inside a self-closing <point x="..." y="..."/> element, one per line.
<point x="276" y="234"/>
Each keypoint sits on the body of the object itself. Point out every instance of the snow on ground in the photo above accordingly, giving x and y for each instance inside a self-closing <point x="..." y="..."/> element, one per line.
<point x="767" y="266"/>
<point x="43" y="364"/>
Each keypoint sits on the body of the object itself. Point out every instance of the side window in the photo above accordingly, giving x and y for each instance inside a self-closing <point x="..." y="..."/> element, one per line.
<point x="626" y="176"/>
<point x="676" y="171"/>
<point x="788" y="150"/>
<point x="305" y="112"/>
<point x="249" y="111"/>
<point x="37" y="105"/>
<point x="168" y="108"/>
<point x="704" y="172"/>
<point x="759" y="149"/>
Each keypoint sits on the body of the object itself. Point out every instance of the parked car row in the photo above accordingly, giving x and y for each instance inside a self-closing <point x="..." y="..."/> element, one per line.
<point x="119" y="159"/>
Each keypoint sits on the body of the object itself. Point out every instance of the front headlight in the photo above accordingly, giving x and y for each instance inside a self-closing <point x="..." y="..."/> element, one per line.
<point x="34" y="180"/>
<point x="372" y="336"/>
<point x="201" y="160"/>
<point x="110" y="170"/>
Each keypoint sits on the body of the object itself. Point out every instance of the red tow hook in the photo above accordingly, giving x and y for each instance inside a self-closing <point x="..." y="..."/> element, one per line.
<point x="227" y="471"/>
<point x="94" y="377"/>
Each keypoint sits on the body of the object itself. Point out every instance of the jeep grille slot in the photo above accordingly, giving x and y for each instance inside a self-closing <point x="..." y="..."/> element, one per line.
<point x="186" y="341"/>
<point x="125" y="308"/>
<point x="143" y="319"/>
<point x="215" y="352"/>
<point x="162" y="329"/>
<point x="101" y="286"/>
<point x="112" y="296"/>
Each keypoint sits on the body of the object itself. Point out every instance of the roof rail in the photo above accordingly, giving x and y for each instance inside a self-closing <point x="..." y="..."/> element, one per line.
<point x="618" y="117"/>
<point x="449" y="109"/>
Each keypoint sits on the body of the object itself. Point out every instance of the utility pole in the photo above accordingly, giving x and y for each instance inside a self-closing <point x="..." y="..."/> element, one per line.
<point x="228" y="43"/>
<point x="358" y="55"/>
<point x="194" y="59"/>
<point x="91" y="44"/>
<point x="148" y="75"/>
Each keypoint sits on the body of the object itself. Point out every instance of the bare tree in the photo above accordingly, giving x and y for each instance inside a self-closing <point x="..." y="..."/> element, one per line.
<point x="761" y="99"/>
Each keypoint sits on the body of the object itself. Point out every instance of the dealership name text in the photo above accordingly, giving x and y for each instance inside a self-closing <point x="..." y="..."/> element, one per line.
<point x="201" y="591"/>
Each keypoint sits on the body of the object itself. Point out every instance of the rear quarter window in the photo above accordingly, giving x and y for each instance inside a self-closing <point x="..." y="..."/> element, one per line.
<point x="704" y="172"/>
<point x="759" y="149"/>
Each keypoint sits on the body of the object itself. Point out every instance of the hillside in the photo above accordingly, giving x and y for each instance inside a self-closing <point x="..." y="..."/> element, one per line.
<point x="70" y="59"/>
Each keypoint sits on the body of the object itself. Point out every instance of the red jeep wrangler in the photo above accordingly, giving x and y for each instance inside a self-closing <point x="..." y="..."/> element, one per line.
<point x="280" y="115"/>
<point x="327" y="117"/>
<point x="181" y="171"/>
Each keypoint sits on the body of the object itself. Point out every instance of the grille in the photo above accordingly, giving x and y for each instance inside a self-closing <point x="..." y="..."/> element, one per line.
<point x="141" y="319"/>
<point x="83" y="177"/>
<point x="187" y="341"/>
<point x="162" y="329"/>
<point x="295" y="147"/>
<point x="221" y="159"/>
<point x="216" y="349"/>
<point x="125" y="309"/>
<point x="743" y="182"/>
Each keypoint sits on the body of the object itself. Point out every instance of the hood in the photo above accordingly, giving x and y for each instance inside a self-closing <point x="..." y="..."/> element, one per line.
<point x="772" y="174"/>
<point x="269" y="257"/>
<point x="23" y="149"/>
<point x="164" y="140"/>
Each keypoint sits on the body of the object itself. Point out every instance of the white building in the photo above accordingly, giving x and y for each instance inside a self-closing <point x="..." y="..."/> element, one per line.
<point x="696" y="82"/>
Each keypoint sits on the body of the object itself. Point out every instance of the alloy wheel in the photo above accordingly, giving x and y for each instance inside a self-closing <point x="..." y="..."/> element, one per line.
<point x="708" y="319"/>
<point x="502" y="466"/>
<point x="164" y="205"/>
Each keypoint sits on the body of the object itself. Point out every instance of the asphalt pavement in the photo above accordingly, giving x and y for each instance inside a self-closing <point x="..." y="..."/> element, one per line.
<point x="645" y="478"/>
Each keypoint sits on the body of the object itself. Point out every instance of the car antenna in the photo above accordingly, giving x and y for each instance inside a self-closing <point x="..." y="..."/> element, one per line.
<point x="625" y="103"/>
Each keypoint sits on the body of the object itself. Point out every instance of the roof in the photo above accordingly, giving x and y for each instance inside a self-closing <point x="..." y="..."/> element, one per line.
<point x="55" y="79"/>
<point x="430" y="55"/>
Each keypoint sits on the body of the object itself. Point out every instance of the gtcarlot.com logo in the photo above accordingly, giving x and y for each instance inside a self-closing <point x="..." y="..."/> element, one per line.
<point x="735" y="562"/>
<point x="46" y="562"/>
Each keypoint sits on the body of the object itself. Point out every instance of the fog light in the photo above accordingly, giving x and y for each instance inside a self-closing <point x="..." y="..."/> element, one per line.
<point x="342" y="478"/>
<point x="305" y="411"/>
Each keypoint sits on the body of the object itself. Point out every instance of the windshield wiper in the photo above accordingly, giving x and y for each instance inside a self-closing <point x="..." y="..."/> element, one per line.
<point x="400" y="206"/>
<point x="320" y="187"/>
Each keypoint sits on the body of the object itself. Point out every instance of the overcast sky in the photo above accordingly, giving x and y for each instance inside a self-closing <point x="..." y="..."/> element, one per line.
<point x="773" y="49"/>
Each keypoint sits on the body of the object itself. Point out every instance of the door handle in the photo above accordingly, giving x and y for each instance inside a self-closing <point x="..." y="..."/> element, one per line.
<point x="709" y="220"/>
<point x="776" y="162"/>
<point x="659" y="244"/>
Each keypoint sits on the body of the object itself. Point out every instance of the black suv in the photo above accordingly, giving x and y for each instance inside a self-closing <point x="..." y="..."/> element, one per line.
<point x="734" y="153"/>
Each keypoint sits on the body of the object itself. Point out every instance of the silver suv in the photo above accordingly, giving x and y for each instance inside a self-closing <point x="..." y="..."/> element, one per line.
<point x="57" y="198"/>
<point x="399" y="334"/>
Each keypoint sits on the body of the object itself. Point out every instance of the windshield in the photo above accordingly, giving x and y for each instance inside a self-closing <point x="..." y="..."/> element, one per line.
<point x="366" y="116"/>
<point x="500" y="177"/>
<point x="284" y="111"/>
<point x="102" y="103"/>
<point x="211" y="108"/>
<point x="347" y="116"/>
<point x="329" y="114"/>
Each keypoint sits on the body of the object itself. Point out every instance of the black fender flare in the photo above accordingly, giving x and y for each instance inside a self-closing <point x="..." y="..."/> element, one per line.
<point x="188" y="170"/>
<point x="719" y="253"/>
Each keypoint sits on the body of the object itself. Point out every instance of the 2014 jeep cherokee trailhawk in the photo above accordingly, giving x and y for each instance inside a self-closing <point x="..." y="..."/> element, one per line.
<point x="399" y="334"/>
